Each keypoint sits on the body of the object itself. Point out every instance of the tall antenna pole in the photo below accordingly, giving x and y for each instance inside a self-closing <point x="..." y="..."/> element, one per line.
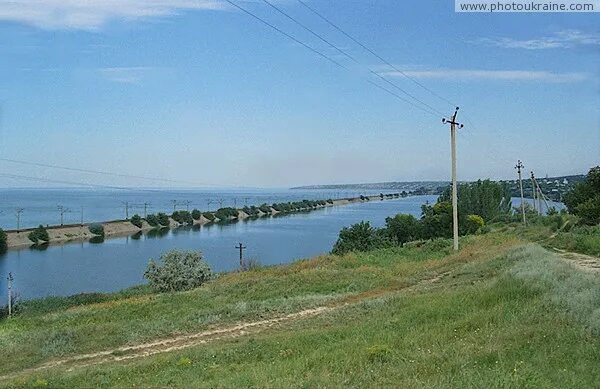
<point x="453" y="125"/>
<point x="519" y="167"/>
<point x="62" y="211"/>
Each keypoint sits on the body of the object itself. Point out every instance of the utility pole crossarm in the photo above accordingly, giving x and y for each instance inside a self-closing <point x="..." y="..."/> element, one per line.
<point x="453" y="124"/>
<point x="519" y="168"/>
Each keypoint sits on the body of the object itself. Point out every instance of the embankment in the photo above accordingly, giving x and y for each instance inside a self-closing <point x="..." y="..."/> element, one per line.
<point x="117" y="228"/>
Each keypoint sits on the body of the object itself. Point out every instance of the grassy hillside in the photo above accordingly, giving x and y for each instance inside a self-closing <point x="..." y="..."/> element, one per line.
<point x="502" y="312"/>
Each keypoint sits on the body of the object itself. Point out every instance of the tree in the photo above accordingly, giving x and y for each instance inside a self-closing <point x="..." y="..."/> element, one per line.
<point x="152" y="220"/>
<point x="196" y="214"/>
<point x="485" y="198"/>
<point x="3" y="241"/>
<point x="39" y="235"/>
<point x="359" y="237"/>
<point x="584" y="199"/>
<point x="403" y="228"/>
<point x="436" y="221"/>
<point x="163" y="219"/>
<point x="137" y="221"/>
<point x="178" y="270"/>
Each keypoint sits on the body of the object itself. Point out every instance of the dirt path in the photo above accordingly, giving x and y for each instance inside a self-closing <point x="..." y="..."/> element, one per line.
<point x="190" y="340"/>
<point x="581" y="261"/>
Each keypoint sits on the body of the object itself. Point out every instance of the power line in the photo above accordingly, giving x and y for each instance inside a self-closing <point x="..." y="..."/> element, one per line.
<point x="75" y="183"/>
<point x="374" y="53"/>
<point x="101" y="172"/>
<point x="350" y="56"/>
<point x="313" y="49"/>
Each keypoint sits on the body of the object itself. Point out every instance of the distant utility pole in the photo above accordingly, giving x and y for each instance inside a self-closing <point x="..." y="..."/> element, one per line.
<point x="241" y="248"/>
<point x="82" y="215"/>
<point x="18" y="213"/>
<point x="519" y="167"/>
<point x="208" y="203"/>
<point x="453" y="124"/>
<point x="220" y="201"/>
<point x="187" y="204"/>
<point x="62" y="211"/>
<point x="126" y="204"/>
<point x="146" y="205"/>
<point x="10" y="285"/>
<point x="534" y="192"/>
<point x="246" y="201"/>
<point x="174" y="202"/>
<point x="235" y="202"/>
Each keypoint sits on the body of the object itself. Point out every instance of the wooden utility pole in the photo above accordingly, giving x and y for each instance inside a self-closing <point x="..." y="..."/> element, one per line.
<point x="10" y="284"/>
<point x="146" y="210"/>
<point x="519" y="167"/>
<point x="453" y="125"/>
<point x="82" y="216"/>
<point x="19" y="212"/>
<point x="534" y="192"/>
<point x="62" y="211"/>
<point x="126" y="204"/>
<point x="241" y="247"/>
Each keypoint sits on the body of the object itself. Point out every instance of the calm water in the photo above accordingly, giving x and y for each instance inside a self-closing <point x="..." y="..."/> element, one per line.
<point x="120" y="263"/>
<point x="40" y="205"/>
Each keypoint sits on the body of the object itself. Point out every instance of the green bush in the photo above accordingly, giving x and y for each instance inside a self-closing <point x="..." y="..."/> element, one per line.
<point x="265" y="208"/>
<point x="96" y="229"/>
<point x="209" y="216"/>
<point x="137" y="221"/>
<point x="163" y="219"/>
<point x="196" y="214"/>
<point x="152" y="220"/>
<point x="3" y="239"/>
<point x="178" y="270"/>
<point x="473" y="224"/>
<point x="39" y="235"/>
<point x="226" y="213"/>
<point x="360" y="237"/>
<point x="182" y="217"/>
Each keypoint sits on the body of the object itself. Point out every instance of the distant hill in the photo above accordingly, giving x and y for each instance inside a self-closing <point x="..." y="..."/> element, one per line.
<point x="553" y="187"/>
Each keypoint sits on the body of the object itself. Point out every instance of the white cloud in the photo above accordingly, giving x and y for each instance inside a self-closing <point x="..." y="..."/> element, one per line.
<point x="124" y="75"/>
<point x="93" y="14"/>
<point x="502" y="75"/>
<point x="560" y="40"/>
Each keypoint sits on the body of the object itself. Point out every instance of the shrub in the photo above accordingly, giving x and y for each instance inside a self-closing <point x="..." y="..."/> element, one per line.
<point x="196" y="214"/>
<point x="137" y="221"/>
<point x="265" y="208"/>
<point x="182" y="217"/>
<point x="163" y="219"/>
<point x="96" y="229"/>
<point x="39" y="235"/>
<point x="178" y="270"/>
<point x="360" y="237"/>
<point x="226" y="213"/>
<point x="209" y="216"/>
<point x="152" y="220"/>
<point x="3" y="239"/>
<point x="473" y="224"/>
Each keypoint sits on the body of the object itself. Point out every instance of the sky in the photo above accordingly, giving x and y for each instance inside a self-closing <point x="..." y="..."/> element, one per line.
<point x="201" y="92"/>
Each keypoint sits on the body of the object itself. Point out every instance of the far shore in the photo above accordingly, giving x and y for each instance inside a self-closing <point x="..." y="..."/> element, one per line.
<point x="118" y="228"/>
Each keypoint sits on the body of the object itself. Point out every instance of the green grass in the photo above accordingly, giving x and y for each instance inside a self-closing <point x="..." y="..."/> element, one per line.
<point x="507" y="314"/>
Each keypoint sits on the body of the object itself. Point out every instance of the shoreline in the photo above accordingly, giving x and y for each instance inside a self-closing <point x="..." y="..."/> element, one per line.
<point x="75" y="233"/>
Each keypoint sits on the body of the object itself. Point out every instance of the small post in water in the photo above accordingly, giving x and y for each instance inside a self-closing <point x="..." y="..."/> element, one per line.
<point x="241" y="247"/>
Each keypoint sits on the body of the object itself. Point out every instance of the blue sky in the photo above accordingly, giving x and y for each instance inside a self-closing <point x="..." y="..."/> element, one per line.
<point x="199" y="91"/>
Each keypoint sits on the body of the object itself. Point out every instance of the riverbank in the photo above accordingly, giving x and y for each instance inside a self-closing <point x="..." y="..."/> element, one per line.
<point x="119" y="228"/>
<point x="406" y="316"/>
